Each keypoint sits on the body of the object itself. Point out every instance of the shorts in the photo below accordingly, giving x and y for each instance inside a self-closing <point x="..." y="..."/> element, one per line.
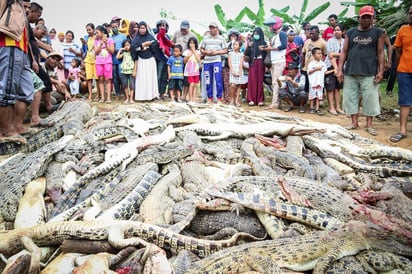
<point x="192" y="79"/>
<point x="127" y="80"/>
<point x="355" y="86"/>
<point x="37" y="83"/>
<point x="105" y="70"/>
<point x="332" y="83"/>
<point x="185" y="81"/>
<point x="316" y="92"/>
<point x="405" y="89"/>
<point x="176" y="84"/>
<point x="90" y="71"/>
<point x="16" y="80"/>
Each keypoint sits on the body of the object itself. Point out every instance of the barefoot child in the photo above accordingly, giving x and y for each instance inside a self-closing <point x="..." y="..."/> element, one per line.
<point x="236" y="77"/>
<point x="192" y="60"/>
<point x="104" y="48"/>
<point x="316" y="72"/>
<point x="74" y="77"/>
<point x="127" y="67"/>
<point x="175" y="66"/>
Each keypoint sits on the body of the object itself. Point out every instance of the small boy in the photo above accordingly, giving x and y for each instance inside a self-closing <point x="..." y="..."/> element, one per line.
<point x="175" y="69"/>
<point x="316" y="75"/>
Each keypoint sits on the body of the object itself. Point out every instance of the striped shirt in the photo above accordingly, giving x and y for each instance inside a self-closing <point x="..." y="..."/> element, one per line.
<point x="23" y="44"/>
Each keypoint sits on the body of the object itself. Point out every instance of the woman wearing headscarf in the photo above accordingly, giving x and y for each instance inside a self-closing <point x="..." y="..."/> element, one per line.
<point x="143" y="52"/>
<point x="255" y="56"/>
<point x="132" y="31"/>
<point x="124" y="26"/>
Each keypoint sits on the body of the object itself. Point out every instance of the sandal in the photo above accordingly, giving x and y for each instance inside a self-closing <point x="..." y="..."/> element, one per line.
<point x="319" y="112"/>
<point x="44" y="123"/>
<point x="251" y="103"/>
<point x="397" y="137"/>
<point x="261" y="104"/>
<point x="334" y="112"/>
<point x="312" y="111"/>
<point x="288" y="109"/>
<point x="351" y="127"/>
<point x="340" y="112"/>
<point x="372" y="131"/>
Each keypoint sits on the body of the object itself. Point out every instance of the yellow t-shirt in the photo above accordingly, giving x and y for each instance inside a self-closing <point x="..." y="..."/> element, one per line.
<point x="90" y="55"/>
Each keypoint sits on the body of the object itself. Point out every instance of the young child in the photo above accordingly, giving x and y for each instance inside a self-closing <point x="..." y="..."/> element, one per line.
<point x="126" y="75"/>
<point x="74" y="77"/>
<point x="104" y="48"/>
<point x="236" y="77"/>
<point x="316" y="75"/>
<point x="175" y="66"/>
<point x="192" y="60"/>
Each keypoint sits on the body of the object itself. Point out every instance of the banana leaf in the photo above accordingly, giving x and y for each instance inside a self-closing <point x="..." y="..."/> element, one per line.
<point x="316" y="12"/>
<point x="343" y="13"/>
<point x="303" y="8"/>
<point x="221" y="16"/>
<point x="282" y="14"/>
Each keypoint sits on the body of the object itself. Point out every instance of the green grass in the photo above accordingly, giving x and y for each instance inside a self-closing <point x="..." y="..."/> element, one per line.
<point x="386" y="101"/>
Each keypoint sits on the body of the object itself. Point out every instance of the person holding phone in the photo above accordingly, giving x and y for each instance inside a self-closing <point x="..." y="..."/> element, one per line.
<point x="104" y="49"/>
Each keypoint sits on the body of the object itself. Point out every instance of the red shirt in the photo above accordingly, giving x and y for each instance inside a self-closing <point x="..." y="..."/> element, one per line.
<point x="327" y="33"/>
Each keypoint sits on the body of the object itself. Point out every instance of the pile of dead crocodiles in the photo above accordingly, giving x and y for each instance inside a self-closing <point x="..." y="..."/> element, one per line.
<point x="195" y="188"/>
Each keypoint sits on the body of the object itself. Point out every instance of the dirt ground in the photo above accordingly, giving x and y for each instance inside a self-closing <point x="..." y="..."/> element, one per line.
<point x="385" y="128"/>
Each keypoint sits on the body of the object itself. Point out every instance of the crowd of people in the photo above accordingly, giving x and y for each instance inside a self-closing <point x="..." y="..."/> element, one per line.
<point x="130" y="60"/>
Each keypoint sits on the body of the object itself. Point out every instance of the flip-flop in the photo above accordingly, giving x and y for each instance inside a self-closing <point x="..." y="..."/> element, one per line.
<point x="371" y="131"/>
<point x="351" y="127"/>
<point x="44" y="123"/>
<point x="17" y="138"/>
<point x="397" y="137"/>
<point x="30" y="131"/>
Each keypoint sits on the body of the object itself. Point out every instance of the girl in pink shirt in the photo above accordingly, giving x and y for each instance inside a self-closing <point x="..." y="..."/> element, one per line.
<point x="104" y="48"/>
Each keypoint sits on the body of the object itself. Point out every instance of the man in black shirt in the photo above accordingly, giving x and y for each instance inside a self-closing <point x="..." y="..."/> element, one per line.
<point x="363" y="51"/>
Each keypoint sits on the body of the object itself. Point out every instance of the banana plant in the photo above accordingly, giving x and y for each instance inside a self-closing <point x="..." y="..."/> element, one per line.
<point x="297" y="19"/>
<point x="257" y="19"/>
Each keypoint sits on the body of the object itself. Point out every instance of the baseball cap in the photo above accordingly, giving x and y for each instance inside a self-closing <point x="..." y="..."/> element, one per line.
<point x="292" y="65"/>
<point x="213" y="24"/>
<point x="55" y="54"/>
<point x="366" y="10"/>
<point x="185" y="25"/>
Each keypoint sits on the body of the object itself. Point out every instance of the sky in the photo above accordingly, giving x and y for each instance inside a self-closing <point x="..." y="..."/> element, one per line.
<point x="75" y="14"/>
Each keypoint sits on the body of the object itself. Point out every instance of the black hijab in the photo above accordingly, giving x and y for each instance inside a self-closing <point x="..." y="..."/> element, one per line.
<point x="254" y="51"/>
<point x="137" y="50"/>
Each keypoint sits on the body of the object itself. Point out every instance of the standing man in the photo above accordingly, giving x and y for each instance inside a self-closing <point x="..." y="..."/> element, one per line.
<point x="328" y="32"/>
<point x="363" y="51"/>
<point x="213" y="46"/>
<point x="181" y="37"/>
<point x="118" y="39"/>
<point x="277" y="50"/>
<point x="16" y="84"/>
<point x="403" y="59"/>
